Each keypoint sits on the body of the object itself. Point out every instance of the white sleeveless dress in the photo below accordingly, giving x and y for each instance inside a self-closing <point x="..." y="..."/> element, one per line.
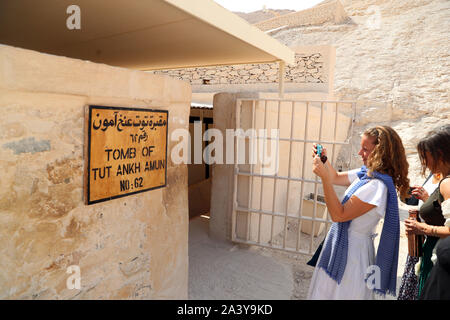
<point x="361" y="251"/>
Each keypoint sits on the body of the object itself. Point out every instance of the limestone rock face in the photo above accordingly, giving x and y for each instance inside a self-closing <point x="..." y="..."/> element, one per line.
<point x="133" y="247"/>
<point x="395" y="56"/>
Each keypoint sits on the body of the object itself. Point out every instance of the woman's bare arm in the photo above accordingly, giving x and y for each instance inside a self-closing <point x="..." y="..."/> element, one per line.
<point x="352" y="209"/>
<point x="337" y="178"/>
<point x="415" y="227"/>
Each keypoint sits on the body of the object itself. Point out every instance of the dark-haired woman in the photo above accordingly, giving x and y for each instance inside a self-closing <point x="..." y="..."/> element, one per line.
<point x="434" y="153"/>
<point x="409" y="287"/>
<point x="347" y="267"/>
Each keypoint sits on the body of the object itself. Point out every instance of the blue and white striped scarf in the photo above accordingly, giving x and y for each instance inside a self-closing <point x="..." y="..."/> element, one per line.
<point x="335" y="247"/>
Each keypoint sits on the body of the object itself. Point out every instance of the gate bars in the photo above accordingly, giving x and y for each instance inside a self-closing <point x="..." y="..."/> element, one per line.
<point x="251" y="173"/>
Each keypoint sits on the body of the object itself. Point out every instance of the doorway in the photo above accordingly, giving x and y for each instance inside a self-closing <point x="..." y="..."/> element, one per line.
<point x="199" y="171"/>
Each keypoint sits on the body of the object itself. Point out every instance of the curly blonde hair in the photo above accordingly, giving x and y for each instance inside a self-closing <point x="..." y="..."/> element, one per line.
<point x="389" y="157"/>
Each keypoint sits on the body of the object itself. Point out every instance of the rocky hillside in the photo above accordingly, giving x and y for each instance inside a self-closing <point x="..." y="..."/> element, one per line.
<point x="394" y="54"/>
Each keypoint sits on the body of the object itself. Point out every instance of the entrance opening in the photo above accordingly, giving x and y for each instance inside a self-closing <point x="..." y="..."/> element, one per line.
<point x="199" y="172"/>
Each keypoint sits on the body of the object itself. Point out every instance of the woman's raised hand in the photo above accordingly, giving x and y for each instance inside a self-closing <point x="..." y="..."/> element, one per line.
<point x="415" y="227"/>
<point x="319" y="168"/>
<point x="420" y="193"/>
<point x="314" y="150"/>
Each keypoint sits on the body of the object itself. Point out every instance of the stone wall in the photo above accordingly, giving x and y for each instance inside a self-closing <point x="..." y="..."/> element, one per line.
<point x="328" y="12"/>
<point x="308" y="69"/>
<point x="135" y="247"/>
<point x="312" y="71"/>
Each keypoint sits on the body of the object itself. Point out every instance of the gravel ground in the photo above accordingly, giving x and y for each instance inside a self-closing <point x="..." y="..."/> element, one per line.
<point x="223" y="270"/>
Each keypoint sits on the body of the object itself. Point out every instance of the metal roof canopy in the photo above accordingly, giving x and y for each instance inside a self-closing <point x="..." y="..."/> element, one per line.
<point x="139" y="34"/>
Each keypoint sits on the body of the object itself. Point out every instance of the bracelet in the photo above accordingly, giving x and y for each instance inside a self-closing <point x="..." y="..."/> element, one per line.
<point x="434" y="231"/>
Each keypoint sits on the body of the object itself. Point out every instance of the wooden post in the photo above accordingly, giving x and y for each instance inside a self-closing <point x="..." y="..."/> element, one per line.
<point x="282" y="65"/>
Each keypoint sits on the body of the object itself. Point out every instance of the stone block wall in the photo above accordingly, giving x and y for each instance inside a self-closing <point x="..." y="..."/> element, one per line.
<point x="135" y="247"/>
<point x="314" y="69"/>
<point x="308" y="69"/>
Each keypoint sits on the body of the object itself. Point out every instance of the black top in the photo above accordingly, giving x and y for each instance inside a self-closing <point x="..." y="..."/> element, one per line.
<point x="431" y="211"/>
<point x="437" y="286"/>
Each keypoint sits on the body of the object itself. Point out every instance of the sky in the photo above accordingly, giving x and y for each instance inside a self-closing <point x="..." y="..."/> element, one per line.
<point x="254" y="5"/>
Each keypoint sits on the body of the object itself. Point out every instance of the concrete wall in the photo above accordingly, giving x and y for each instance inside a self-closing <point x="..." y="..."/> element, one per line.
<point x="328" y="12"/>
<point x="284" y="200"/>
<point x="135" y="247"/>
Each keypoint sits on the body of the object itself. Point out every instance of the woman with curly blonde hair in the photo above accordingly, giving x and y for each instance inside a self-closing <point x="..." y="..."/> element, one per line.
<point x="347" y="267"/>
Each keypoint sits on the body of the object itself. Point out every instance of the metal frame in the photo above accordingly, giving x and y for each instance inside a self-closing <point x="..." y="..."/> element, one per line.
<point x="251" y="174"/>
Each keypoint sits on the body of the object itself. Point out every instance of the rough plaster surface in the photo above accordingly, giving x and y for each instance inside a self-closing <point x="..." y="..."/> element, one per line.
<point x="129" y="248"/>
<point x="28" y="145"/>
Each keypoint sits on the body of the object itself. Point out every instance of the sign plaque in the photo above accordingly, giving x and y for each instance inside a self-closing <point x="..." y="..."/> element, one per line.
<point x="126" y="151"/>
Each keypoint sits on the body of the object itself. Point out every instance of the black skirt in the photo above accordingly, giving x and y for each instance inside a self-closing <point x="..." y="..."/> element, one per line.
<point x="437" y="286"/>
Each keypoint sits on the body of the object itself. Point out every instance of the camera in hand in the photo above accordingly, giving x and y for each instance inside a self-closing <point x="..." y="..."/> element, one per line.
<point x="411" y="200"/>
<point x="319" y="148"/>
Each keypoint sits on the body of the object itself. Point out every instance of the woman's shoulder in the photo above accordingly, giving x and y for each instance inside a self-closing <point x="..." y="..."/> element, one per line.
<point x="373" y="192"/>
<point x="379" y="184"/>
<point x="444" y="187"/>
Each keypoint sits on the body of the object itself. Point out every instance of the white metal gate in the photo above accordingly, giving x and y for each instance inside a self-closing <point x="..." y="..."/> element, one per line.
<point x="269" y="205"/>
